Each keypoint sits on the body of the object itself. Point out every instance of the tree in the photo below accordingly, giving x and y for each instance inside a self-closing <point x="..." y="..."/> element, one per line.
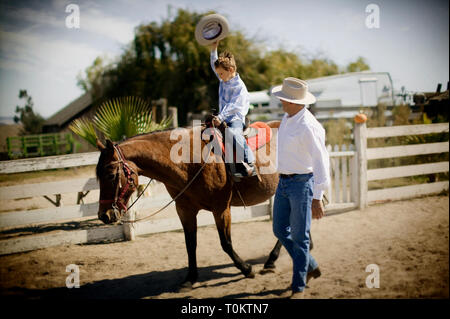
<point x="358" y="66"/>
<point x="338" y="132"/>
<point x="93" y="76"/>
<point x="32" y="122"/>
<point x="165" y="61"/>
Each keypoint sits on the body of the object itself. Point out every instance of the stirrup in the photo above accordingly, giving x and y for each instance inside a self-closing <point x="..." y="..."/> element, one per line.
<point x="250" y="168"/>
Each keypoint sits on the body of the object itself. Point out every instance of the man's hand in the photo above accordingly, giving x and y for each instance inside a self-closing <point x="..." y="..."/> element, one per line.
<point x="317" y="209"/>
<point x="216" y="121"/>
<point x="214" y="45"/>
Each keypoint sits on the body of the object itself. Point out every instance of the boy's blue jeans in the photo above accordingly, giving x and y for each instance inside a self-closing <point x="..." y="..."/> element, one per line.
<point x="292" y="222"/>
<point x="233" y="134"/>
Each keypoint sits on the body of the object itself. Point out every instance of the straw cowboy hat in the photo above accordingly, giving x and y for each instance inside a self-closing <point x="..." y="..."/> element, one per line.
<point x="295" y="91"/>
<point x="211" y="28"/>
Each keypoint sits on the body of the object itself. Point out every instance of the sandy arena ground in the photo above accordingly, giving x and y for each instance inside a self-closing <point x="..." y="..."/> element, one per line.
<point x="408" y="240"/>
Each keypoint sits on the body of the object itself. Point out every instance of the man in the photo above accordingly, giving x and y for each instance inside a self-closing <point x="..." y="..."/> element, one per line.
<point x="303" y="164"/>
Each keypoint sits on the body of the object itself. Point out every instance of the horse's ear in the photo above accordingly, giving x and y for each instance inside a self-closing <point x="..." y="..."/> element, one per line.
<point x="100" y="146"/>
<point x="109" y="144"/>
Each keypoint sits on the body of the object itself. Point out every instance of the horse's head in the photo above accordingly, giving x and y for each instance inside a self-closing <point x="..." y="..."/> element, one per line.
<point x="118" y="180"/>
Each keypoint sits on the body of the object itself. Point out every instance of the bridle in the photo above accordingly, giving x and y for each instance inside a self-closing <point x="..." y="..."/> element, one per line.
<point x="128" y="171"/>
<point x="118" y="201"/>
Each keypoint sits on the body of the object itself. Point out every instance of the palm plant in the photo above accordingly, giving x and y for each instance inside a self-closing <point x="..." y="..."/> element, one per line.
<point x="119" y="119"/>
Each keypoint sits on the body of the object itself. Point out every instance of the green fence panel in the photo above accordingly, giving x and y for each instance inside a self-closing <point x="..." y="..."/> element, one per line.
<point x="40" y="145"/>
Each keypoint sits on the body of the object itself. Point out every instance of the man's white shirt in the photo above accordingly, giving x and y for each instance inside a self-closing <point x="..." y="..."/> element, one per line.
<point x="301" y="149"/>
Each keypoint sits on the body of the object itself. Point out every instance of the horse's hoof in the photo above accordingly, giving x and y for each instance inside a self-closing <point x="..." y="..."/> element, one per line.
<point x="251" y="274"/>
<point x="267" y="271"/>
<point x="269" y="265"/>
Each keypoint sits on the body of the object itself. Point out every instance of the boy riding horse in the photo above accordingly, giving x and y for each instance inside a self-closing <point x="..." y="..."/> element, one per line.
<point x="233" y="107"/>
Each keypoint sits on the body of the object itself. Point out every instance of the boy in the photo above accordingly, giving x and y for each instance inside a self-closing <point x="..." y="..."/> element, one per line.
<point x="233" y="107"/>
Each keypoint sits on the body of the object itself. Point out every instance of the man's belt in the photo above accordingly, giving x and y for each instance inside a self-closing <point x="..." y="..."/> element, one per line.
<point x="292" y="175"/>
<point x="288" y="175"/>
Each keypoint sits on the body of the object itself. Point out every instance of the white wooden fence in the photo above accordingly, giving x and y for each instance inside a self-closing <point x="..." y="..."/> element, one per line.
<point x="347" y="191"/>
<point x="362" y="133"/>
<point x="64" y="212"/>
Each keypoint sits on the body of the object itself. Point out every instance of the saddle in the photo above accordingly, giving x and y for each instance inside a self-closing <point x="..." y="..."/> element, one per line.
<point x="256" y="134"/>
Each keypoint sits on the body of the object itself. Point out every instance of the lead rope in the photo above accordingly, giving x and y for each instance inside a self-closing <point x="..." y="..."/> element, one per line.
<point x="128" y="208"/>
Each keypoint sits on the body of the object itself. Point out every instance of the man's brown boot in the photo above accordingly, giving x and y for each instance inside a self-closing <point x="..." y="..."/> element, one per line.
<point x="298" y="295"/>
<point x="316" y="273"/>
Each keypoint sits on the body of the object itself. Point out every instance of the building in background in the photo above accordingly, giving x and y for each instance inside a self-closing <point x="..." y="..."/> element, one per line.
<point x="338" y="96"/>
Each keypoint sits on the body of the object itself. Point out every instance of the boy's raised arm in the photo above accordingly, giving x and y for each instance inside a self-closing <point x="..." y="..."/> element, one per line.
<point x="214" y="57"/>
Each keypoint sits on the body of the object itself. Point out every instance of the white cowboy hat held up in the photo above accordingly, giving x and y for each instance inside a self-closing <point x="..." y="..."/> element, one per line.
<point x="295" y="91"/>
<point x="211" y="28"/>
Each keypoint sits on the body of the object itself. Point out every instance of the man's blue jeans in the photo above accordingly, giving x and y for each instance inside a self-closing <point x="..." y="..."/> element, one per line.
<point x="292" y="222"/>
<point x="233" y="136"/>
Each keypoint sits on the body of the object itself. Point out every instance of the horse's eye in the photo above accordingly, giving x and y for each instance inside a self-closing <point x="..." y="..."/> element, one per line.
<point x="111" y="177"/>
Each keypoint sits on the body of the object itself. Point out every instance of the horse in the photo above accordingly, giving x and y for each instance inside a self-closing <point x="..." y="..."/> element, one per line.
<point x="213" y="189"/>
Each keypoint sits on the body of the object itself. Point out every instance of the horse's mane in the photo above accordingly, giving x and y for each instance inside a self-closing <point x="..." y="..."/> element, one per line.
<point x="157" y="131"/>
<point x="99" y="169"/>
<point x="149" y="133"/>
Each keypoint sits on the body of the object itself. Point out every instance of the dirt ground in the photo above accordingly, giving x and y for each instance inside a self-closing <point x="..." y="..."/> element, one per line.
<point x="408" y="240"/>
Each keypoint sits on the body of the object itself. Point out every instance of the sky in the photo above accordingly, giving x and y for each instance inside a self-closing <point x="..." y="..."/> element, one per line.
<point x="39" y="53"/>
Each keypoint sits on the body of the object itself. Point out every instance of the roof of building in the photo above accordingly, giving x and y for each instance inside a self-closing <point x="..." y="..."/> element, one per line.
<point x="440" y="96"/>
<point x="351" y="89"/>
<point x="71" y="110"/>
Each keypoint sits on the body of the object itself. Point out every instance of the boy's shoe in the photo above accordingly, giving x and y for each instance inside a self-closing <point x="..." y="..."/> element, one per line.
<point x="245" y="170"/>
<point x="250" y="169"/>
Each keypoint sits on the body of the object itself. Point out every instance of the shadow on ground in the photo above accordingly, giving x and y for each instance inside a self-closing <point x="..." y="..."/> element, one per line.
<point x="149" y="285"/>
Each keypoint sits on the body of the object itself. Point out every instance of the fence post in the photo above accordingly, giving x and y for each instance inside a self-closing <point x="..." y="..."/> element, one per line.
<point x="360" y="134"/>
<point x="330" y="186"/>
<point x="344" y="175"/>
<point x="270" y="206"/>
<point x="337" y="176"/>
<point x="129" y="230"/>
<point x="353" y="176"/>
<point x="173" y="111"/>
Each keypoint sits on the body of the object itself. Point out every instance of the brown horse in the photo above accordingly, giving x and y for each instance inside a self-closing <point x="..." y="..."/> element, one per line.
<point x="213" y="189"/>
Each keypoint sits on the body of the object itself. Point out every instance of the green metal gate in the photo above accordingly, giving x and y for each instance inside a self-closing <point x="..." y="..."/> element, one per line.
<point x="40" y="145"/>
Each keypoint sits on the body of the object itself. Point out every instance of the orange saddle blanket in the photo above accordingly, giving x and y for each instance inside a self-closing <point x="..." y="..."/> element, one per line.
<point x="257" y="135"/>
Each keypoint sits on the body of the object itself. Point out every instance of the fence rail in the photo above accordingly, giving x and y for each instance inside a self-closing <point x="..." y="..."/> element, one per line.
<point x="406" y="150"/>
<point x="50" y="162"/>
<point x="402" y="130"/>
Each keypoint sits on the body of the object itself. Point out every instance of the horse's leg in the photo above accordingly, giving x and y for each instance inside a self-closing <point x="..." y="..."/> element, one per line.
<point x="223" y="223"/>
<point x="270" y="263"/>
<point x="188" y="217"/>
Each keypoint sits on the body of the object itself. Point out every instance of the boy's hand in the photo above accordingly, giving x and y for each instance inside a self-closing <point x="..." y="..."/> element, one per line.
<point x="214" y="45"/>
<point x="216" y="121"/>
<point x="317" y="209"/>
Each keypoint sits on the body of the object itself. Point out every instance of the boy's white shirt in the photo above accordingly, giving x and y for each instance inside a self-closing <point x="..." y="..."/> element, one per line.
<point x="234" y="99"/>
<point x="301" y="149"/>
